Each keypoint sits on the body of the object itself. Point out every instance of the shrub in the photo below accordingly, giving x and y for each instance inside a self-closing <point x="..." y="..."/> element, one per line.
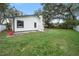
<point x="70" y="23"/>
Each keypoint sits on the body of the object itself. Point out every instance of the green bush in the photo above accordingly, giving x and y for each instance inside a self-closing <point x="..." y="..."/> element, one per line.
<point x="70" y="23"/>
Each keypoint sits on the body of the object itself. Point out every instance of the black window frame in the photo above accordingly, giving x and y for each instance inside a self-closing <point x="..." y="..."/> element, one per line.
<point x="35" y="25"/>
<point x="20" y="25"/>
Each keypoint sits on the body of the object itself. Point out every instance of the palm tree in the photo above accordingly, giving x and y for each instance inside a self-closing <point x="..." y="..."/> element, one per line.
<point x="3" y="8"/>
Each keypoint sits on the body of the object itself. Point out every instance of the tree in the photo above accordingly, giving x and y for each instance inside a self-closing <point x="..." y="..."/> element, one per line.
<point x="47" y="13"/>
<point x="52" y="11"/>
<point x="63" y="11"/>
<point x="15" y="12"/>
<point x="12" y="11"/>
<point x="38" y="12"/>
<point x="71" y="10"/>
<point x="3" y="8"/>
<point x="8" y="11"/>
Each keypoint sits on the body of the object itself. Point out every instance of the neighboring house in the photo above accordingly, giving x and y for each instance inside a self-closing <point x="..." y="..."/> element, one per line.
<point x="26" y="23"/>
<point x="2" y="27"/>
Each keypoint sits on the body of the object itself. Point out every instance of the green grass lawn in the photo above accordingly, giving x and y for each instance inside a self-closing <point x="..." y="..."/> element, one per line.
<point x="52" y="42"/>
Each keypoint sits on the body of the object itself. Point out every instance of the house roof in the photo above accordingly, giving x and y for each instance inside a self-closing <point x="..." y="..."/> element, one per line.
<point x="20" y="16"/>
<point x="25" y="16"/>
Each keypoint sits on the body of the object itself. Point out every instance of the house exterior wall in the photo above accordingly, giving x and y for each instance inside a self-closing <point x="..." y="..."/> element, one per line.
<point x="29" y="23"/>
<point x="2" y="27"/>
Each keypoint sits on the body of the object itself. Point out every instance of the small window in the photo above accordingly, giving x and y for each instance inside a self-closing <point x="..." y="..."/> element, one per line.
<point x="20" y="24"/>
<point x="35" y="24"/>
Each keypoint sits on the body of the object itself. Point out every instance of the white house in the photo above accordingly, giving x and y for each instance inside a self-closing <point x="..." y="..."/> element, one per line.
<point x="26" y="23"/>
<point x="2" y="27"/>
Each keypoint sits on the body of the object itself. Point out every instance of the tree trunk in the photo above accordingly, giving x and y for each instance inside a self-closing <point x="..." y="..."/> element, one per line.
<point x="73" y="17"/>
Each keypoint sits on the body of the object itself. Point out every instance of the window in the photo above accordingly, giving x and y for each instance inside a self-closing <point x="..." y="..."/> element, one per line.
<point x="35" y="24"/>
<point x="20" y="24"/>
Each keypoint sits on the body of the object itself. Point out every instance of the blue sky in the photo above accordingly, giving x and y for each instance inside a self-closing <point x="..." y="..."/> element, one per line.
<point x="27" y="8"/>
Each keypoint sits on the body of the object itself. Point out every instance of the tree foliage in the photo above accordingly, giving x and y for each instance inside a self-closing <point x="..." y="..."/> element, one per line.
<point x="6" y="10"/>
<point x="3" y="8"/>
<point x="65" y="11"/>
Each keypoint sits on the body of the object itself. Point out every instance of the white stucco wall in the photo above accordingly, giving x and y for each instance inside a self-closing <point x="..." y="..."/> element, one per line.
<point x="2" y="27"/>
<point x="29" y="23"/>
<point x="41" y="24"/>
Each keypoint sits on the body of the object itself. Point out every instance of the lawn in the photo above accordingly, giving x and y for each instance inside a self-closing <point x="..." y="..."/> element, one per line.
<point x="51" y="42"/>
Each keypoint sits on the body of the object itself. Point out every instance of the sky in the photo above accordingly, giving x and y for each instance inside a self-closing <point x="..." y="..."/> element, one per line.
<point x="27" y="8"/>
